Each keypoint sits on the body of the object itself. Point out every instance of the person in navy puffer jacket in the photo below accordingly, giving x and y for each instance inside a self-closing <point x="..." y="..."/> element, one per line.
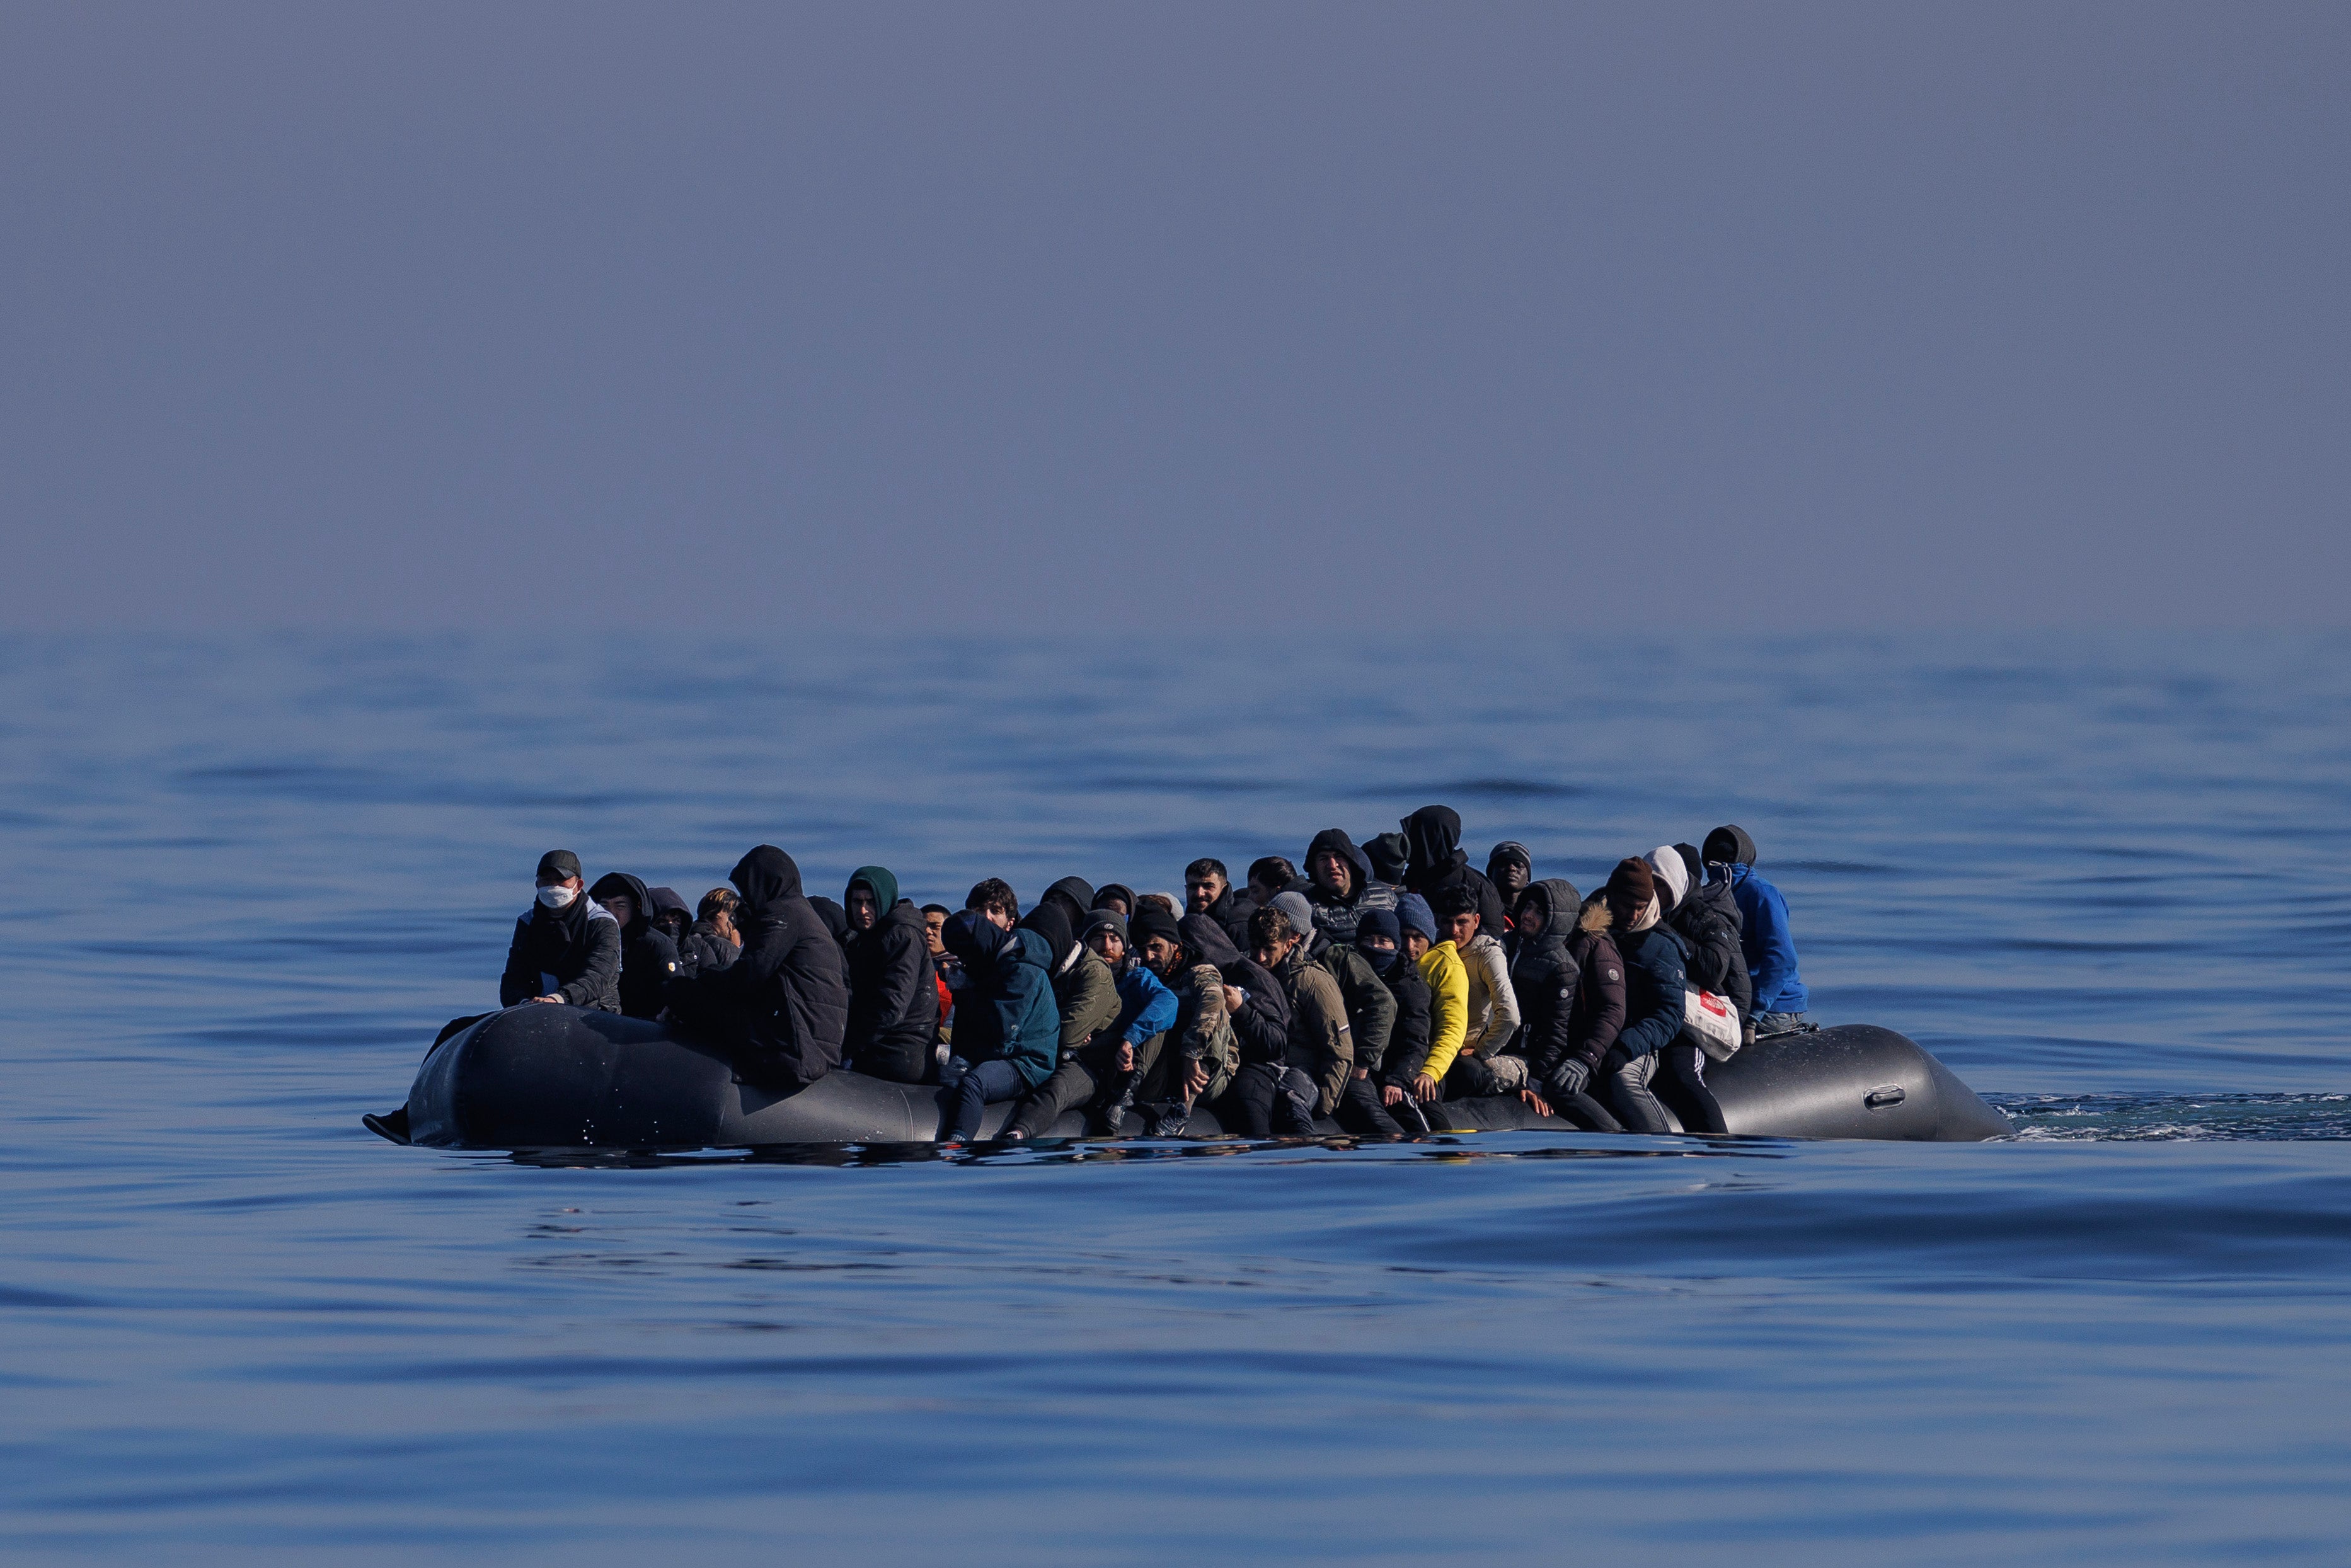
<point x="1780" y="1000"/>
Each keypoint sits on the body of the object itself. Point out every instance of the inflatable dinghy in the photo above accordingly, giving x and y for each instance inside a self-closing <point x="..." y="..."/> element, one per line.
<point x="541" y="1076"/>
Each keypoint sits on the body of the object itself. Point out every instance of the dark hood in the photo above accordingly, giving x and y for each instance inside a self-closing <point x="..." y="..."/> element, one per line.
<point x="835" y="918"/>
<point x="1048" y="921"/>
<point x="884" y="886"/>
<point x="1561" y="906"/>
<point x="1203" y="936"/>
<point x="1335" y="840"/>
<point x="1391" y="856"/>
<point x="621" y="885"/>
<point x="972" y="937"/>
<point x="1117" y="889"/>
<point x="1432" y="836"/>
<point x="766" y="878"/>
<point x="1077" y="890"/>
<point x="1730" y="843"/>
<point x="667" y="902"/>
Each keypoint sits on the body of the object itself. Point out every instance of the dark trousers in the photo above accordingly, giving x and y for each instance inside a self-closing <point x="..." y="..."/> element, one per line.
<point x="986" y="1083"/>
<point x="1359" y="1111"/>
<point x="1072" y="1085"/>
<point x="1630" y="1096"/>
<point x="1681" y="1084"/>
<point x="899" y="1060"/>
<point x="1262" y="1105"/>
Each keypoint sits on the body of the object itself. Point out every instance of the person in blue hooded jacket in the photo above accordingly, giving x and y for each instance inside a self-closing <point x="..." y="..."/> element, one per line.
<point x="1008" y="1028"/>
<point x="1780" y="1000"/>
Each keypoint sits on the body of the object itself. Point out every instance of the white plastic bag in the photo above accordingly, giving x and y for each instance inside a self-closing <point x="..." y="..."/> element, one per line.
<point x="1712" y="1024"/>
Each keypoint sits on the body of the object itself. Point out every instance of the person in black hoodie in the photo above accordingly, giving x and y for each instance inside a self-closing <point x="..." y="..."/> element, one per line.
<point x="1656" y="979"/>
<point x="1546" y="975"/>
<point x="671" y="916"/>
<point x="1259" y="1007"/>
<point x="1391" y="858"/>
<point x="1340" y="886"/>
<point x="568" y="948"/>
<point x="648" y="957"/>
<point x="1074" y="897"/>
<point x="1379" y="939"/>
<point x="893" y="994"/>
<point x="1438" y="862"/>
<point x="782" y="1008"/>
<point x="1709" y="921"/>
<point x="1117" y="897"/>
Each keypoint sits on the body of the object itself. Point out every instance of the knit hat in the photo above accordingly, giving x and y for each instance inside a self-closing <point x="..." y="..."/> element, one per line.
<point x="557" y="866"/>
<point x="1148" y="921"/>
<point x="1413" y="914"/>
<point x="1380" y="922"/>
<point x="1672" y="877"/>
<point x="1300" y="912"/>
<point x="1507" y="851"/>
<point x="1106" y="920"/>
<point x="1630" y="887"/>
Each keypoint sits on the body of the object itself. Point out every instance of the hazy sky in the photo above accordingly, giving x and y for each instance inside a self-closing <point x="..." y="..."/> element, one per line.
<point x="1090" y="315"/>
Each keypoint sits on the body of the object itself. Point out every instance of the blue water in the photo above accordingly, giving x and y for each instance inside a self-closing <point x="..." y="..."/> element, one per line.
<point x="2104" y="879"/>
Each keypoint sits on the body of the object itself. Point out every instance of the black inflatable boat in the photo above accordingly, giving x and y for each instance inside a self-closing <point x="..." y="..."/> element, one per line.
<point x="541" y="1076"/>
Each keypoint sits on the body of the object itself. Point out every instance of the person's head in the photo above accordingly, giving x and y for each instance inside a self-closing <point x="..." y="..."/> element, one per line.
<point x="1073" y="897"/>
<point x="872" y="892"/>
<point x="1391" y="856"/>
<point x="1106" y="935"/>
<point x="1268" y="874"/>
<point x="995" y="899"/>
<point x="621" y="905"/>
<point x="1729" y="845"/>
<point x="1533" y="914"/>
<point x="1204" y="881"/>
<point x="1434" y="836"/>
<point x="1419" y="923"/>
<point x="1509" y="868"/>
<point x="1116" y="896"/>
<point x="1158" y="938"/>
<point x="1060" y="937"/>
<point x="1692" y="862"/>
<point x="717" y="906"/>
<point x="1631" y="887"/>
<point x="1378" y="935"/>
<point x="1329" y="866"/>
<point x="623" y="898"/>
<point x="558" y="879"/>
<point x="668" y="911"/>
<point x="973" y="938"/>
<point x="1166" y="901"/>
<point x="1670" y="876"/>
<point x="1272" y="936"/>
<point x="934" y="916"/>
<point x="1456" y="916"/>
<point x="1301" y="914"/>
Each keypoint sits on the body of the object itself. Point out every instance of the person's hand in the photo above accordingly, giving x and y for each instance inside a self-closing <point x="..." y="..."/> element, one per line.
<point x="1362" y="1073"/>
<point x="1126" y="1056"/>
<point x="1570" y="1077"/>
<point x="1233" y="999"/>
<point x="546" y="998"/>
<point x="1391" y="1095"/>
<point x="1424" y="1087"/>
<point x="1535" y="1100"/>
<point x="1198" y="1079"/>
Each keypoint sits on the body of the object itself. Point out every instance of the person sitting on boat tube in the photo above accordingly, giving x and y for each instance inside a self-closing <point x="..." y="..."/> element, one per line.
<point x="568" y="948"/>
<point x="893" y="994"/>
<point x="1008" y="1030"/>
<point x="1781" y="1001"/>
<point x="781" y="1009"/>
<point x="648" y="957"/>
<point x="1655" y="977"/>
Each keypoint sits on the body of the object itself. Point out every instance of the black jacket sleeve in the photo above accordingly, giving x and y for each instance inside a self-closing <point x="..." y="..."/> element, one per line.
<point x="1654" y="994"/>
<point x="601" y="978"/>
<point x="1551" y="1018"/>
<point x="520" y="982"/>
<point x="903" y="974"/>
<point x="1263" y="1021"/>
<point x="1370" y="1006"/>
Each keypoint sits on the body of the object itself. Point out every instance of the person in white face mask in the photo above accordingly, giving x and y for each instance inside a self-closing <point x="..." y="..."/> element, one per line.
<point x="567" y="949"/>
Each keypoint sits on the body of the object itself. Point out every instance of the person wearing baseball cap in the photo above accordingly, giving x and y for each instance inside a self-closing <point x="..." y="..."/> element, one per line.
<point x="567" y="949"/>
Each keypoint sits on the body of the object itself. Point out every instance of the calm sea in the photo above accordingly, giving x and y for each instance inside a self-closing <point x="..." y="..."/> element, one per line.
<point x="2107" y="880"/>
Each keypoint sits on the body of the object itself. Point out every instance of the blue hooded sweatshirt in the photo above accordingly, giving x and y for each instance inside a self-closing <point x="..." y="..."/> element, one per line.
<point x="1770" y="947"/>
<point x="1006" y="1009"/>
<point x="1145" y="1006"/>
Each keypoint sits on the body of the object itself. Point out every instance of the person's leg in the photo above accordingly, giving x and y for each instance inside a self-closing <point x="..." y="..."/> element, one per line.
<point x="1254" y="1093"/>
<point x="1770" y="1024"/>
<point x="1583" y="1111"/>
<point x="1693" y="1102"/>
<point x="1294" y="1102"/>
<point x="898" y="1063"/>
<point x="1359" y="1111"/>
<point x="984" y="1085"/>
<point x="1072" y="1083"/>
<point x="1629" y="1095"/>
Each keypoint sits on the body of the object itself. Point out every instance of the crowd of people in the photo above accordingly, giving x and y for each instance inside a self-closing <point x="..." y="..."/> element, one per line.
<point x="1381" y="981"/>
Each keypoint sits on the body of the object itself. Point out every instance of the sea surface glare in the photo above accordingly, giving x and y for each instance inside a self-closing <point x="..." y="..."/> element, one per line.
<point x="2104" y="879"/>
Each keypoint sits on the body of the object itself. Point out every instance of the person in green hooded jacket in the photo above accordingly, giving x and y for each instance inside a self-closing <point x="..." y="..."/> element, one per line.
<point x="893" y="1000"/>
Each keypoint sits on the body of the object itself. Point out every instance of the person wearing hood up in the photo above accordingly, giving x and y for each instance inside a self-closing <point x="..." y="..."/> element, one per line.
<point x="1203" y="1053"/>
<point x="1086" y="992"/>
<point x="1708" y="920"/>
<point x="893" y="994"/>
<point x="1391" y="858"/>
<point x="1547" y="979"/>
<point x="1074" y="897"/>
<point x="1209" y="890"/>
<point x="1681" y="1081"/>
<point x="1380" y="942"/>
<point x="1340" y="886"/>
<point x="1117" y="897"/>
<point x="671" y="916"/>
<point x="648" y="957"/>
<point x="1007" y="1028"/>
<point x="1510" y="868"/>
<point x="567" y="948"/>
<point x="1438" y="862"/>
<point x="712" y="942"/>
<point x="1099" y="1072"/>
<point x="782" y="1008"/>
<point x="834" y="917"/>
<point x="1781" y="1003"/>
<point x="1656" y="981"/>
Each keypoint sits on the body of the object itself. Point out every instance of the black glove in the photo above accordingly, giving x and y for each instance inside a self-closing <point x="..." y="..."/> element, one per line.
<point x="1568" y="1077"/>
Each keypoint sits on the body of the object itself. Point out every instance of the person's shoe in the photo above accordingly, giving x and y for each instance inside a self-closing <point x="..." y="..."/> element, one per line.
<point x="1168" y="1120"/>
<point x="1110" y="1121"/>
<point x="1012" y="1135"/>
<point x="392" y="1125"/>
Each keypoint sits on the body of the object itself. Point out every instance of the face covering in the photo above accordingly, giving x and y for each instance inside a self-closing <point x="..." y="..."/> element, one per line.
<point x="558" y="897"/>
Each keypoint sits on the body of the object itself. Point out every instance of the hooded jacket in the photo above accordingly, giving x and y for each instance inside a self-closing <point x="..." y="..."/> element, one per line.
<point x="1261" y="1022"/>
<point x="1231" y="913"/>
<point x="1657" y="989"/>
<point x="1337" y="916"/>
<point x="783" y="1006"/>
<point x="1370" y="1006"/>
<point x="573" y="953"/>
<point x="1708" y="919"/>
<point x="1321" y="1044"/>
<point x="1599" y="1012"/>
<point x="648" y="957"/>
<point x="1391" y="857"/>
<point x="1118" y="890"/>
<point x="1407" y="1044"/>
<point x="1764" y="934"/>
<point x="893" y="994"/>
<point x="1509" y="851"/>
<point x="1546" y="978"/>
<point x="1202" y="1027"/>
<point x="1433" y="834"/>
<point x="1006" y="1009"/>
<point x="1086" y="992"/>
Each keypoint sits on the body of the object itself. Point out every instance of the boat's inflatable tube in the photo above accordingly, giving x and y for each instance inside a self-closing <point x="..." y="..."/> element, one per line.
<point x="541" y="1076"/>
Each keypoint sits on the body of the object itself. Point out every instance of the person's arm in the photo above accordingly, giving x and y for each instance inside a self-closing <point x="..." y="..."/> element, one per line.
<point x="1150" y="1011"/>
<point x="1340" y="1045"/>
<point x="1448" y="1010"/>
<point x="1602" y="986"/>
<point x="900" y="984"/>
<point x="1661" y="960"/>
<point x="520" y="981"/>
<point x="1262" y="1020"/>
<point x="1371" y="1008"/>
<point x="1550" y="1021"/>
<point x="602" y="976"/>
<point x="1093" y="1004"/>
<point x="1775" y="945"/>
<point x="1502" y="1023"/>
